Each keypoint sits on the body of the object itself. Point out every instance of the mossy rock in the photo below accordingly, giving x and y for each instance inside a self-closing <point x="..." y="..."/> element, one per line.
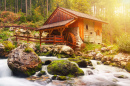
<point x="64" y="68"/>
<point x="62" y="78"/>
<point x="127" y="67"/>
<point x="28" y="50"/>
<point x="113" y="64"/>
<point x="41" y="73"/>
<point x="82" y="63"/>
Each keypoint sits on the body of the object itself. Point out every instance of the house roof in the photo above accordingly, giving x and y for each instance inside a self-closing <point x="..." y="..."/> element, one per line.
<point x="83" y="15"/>
<point x="73" y="13"/>
<point x="57" y="24"/>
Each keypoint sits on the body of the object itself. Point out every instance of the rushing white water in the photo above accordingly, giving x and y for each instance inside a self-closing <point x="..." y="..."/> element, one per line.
<point x="6" y="79"/>
<point x="44" y="58"/>
<point x="105" y="76"/>
<point x="100" y="76"/>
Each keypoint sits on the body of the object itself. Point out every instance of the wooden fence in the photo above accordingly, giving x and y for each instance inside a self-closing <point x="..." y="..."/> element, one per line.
<point x="49" y="39"/>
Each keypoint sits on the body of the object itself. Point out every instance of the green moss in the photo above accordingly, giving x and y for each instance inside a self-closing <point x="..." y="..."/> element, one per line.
<point x="45" y="54"/>
<point x="8" y="46"/>
<point x="64" y="68"/>
<point x="91" y="46"/>
<point x="127" y="67"/>
<point x="32" y="71"/>
<point x="113" y="64"/>
<point x="106" y="63"/>
<point x="28" y="50"/>
<point x="98" y="63"/>
<point x="61" y="78"/>
<point x="41" y="73"/>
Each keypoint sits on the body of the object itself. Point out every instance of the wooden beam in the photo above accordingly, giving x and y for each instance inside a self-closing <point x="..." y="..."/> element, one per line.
<point x="40" y="36"/>
<point x="61" y="30"/>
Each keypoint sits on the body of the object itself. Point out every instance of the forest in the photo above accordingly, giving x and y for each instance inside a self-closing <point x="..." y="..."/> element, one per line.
<point x="35" y="12"/>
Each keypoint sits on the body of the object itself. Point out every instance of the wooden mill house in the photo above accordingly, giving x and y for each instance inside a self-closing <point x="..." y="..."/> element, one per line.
<point x="72" y="27"/>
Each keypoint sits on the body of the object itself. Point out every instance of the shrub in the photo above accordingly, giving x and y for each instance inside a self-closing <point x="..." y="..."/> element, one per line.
<point x="22" y="19"/>
<point x="8" y="46"/>
<point x="37" y="46"/>
<point x="123" y="43"/>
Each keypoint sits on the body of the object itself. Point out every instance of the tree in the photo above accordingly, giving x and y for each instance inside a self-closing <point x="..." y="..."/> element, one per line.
<point x="30" y="6"/>
<point x="5" y="5"/>
<point x="47" y="7"/>
<point x="26" y="7"/>
<point x="21" y="5"/>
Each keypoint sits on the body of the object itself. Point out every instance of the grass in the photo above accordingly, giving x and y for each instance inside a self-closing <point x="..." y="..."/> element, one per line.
<point x="5" y="34"/>
<point x="91" y="46"/>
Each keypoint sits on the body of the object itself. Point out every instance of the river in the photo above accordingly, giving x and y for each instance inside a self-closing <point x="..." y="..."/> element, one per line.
<point x="102" y="75"/>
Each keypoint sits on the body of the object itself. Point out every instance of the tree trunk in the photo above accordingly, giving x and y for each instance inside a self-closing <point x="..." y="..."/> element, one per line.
<point x="21" y="5"/>
<point x="47" y="8"/>
<point x="5" y="5"/>
<point x="17" y="6"/>
<point x="0" y="4"/>
<point x="30" y="6"/>
<point x="26" y="7"/>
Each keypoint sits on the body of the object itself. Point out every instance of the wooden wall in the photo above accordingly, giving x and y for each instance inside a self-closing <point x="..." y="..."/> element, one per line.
<point x="79" y="23"/>
<point x="98" y="26"/>
<point x="59" y="16"/>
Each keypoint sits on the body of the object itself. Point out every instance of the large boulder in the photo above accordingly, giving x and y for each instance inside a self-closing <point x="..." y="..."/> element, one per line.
<point x="67" y="50"/>
<point x="64" y="68"/>
<point x="23" y="61"/>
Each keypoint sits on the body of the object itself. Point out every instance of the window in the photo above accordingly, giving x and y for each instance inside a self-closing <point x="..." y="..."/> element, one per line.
<point x="97" y="33"/>
<point x="86" y="27"/>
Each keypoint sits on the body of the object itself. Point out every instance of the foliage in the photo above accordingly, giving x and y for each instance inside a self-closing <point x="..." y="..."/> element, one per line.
<point x="124" y="43"/>
<point x="23" y="19"/>
<point x="7" y="16"/>
<point x="91" y="46"/>
<point x="8" y="46"/>
<point x="37" y="46"/>
<point x="5" y="34"/>
<point x="63" y="67"/>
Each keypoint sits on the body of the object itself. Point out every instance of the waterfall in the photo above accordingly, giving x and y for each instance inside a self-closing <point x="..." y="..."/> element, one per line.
<point x="94" y="63"/>
<point x="4" y="69"/>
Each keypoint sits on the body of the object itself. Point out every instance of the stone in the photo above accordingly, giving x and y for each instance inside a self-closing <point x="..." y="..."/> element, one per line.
<point x="67" y="50"/>
<point x="24" y="63"/>
<point x="89" y="72"/>
<point x="78" y="53"/>
<point x="2" y="46"/>
<point x="41" y="73"/>
<point x="47" y="62"/>
<point x="104" y="49"/>
<point x="120" y="76"/>
<point x="99" y="56"/>
<point x="64" y="68"/>
<point x="104" y="59"/>
<point x="82" y="63"/>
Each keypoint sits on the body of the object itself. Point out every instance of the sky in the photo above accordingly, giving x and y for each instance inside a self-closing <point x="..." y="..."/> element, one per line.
<point x="126" y="1"/>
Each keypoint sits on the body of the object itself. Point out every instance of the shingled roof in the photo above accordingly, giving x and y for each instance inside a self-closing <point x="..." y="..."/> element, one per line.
<point x="57" y="24"/>
<point x="83" y="15"/>
<point x="73" y="13"/>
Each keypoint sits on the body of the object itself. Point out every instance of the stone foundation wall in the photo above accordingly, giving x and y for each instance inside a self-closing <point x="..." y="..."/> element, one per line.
<point x="75" y="31"/>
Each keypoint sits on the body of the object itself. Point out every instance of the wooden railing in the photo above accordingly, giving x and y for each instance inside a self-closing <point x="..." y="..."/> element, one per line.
<point x="49" y="39"/>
